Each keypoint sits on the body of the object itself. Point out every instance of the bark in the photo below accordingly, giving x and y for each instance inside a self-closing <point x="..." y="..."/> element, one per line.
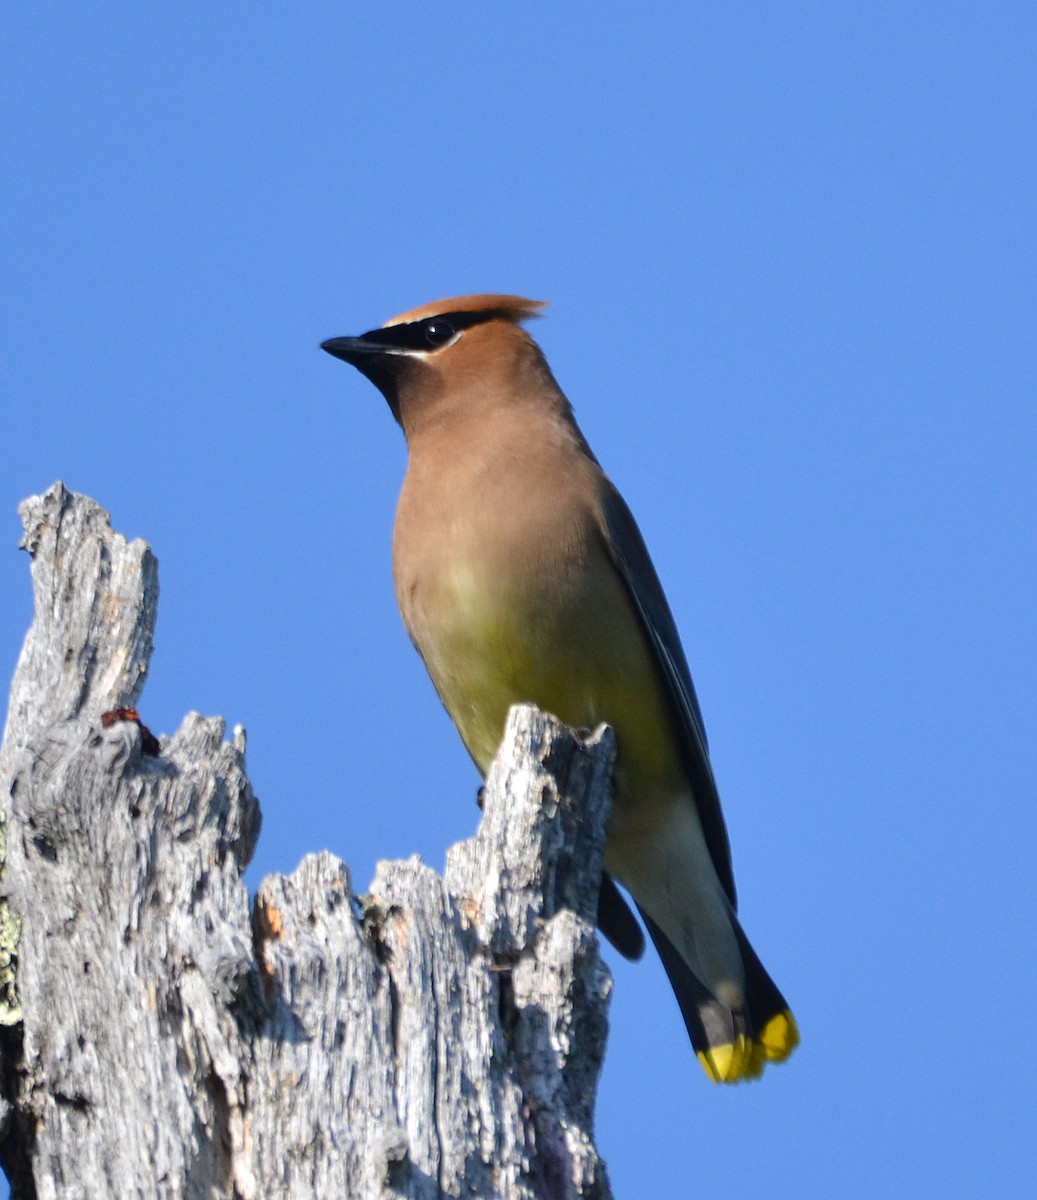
<point x="164" y="1034"/>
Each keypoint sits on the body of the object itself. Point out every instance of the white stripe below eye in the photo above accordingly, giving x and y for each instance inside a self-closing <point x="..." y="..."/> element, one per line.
<point x="411" y="352"/>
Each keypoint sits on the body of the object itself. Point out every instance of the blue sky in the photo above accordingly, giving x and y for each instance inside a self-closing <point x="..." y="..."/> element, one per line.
<point x="791" y="258"/>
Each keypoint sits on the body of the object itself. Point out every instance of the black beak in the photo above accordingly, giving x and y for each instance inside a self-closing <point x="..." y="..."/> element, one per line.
<point x="352" y="350"/>
<point x="374" y="357"/>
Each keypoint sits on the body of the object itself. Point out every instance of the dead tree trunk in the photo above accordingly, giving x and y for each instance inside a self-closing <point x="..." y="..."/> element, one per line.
<point x="162" y="1034"/>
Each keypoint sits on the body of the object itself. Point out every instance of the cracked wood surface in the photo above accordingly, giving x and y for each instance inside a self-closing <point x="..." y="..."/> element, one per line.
<point x="163" y="1034"/>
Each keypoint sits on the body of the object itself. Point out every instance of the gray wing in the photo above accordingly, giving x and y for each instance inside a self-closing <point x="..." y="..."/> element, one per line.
<point x="630" y="555"/>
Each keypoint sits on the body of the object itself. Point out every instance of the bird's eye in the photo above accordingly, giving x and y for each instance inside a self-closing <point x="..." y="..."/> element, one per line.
<point x="438" y="332"/>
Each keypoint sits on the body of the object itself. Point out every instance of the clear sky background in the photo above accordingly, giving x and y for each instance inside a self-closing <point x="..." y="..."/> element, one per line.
<point x="790" y="252"/>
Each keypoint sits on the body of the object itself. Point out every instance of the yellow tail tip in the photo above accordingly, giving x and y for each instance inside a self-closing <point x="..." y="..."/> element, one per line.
<point x="779" y="1037"/>
<point x="745" y="1058"/>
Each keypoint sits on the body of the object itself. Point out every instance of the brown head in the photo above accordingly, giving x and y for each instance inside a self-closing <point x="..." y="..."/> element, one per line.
<point x="469" y="352"/>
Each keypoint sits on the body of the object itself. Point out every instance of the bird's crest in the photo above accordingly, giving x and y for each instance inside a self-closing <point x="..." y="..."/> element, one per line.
<point x="511" y="308"/>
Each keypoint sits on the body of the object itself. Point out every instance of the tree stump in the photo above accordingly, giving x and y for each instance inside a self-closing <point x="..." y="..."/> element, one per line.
<point x="164" y="1034"/>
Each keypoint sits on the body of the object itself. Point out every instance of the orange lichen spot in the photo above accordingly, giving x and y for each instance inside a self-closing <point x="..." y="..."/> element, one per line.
<point x="149" y="744"/>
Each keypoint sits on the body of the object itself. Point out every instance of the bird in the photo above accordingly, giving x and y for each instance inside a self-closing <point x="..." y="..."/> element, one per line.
<point x="521" y="576"/>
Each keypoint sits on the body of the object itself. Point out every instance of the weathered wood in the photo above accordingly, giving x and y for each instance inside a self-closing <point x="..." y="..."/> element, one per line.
<point x="162" y="1035"/>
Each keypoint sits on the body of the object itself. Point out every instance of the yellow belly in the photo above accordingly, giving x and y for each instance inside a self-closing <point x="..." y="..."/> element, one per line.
<point x="576" y="649"/>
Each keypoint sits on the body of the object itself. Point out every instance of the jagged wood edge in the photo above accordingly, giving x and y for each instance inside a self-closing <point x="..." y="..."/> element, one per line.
<point x="446" y="1036"/>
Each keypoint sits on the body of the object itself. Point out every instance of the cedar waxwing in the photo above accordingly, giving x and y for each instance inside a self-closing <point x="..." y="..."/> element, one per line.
<point x="521" y="576"/>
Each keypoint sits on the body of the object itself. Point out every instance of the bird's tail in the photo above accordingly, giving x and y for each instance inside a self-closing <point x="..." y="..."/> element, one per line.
<point x="731" y="1044"/>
